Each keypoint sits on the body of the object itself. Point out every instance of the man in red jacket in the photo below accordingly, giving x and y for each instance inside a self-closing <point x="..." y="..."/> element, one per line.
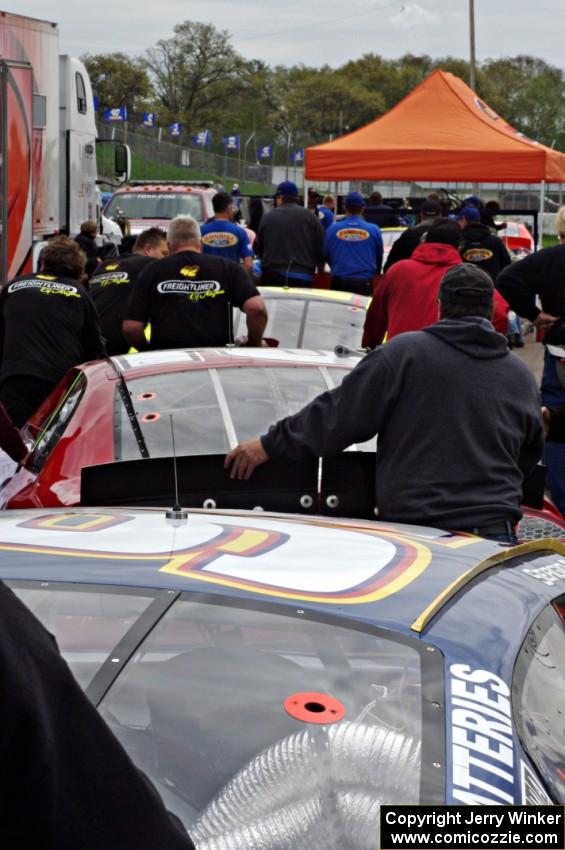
<point x="406" y="297"/>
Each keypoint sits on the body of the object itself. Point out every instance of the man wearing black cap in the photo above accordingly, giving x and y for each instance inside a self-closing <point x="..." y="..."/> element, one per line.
<point x="354" y="249"/>
<point x="289" y="241"/>
<point x="479" y="245"/>
<point x="457" y="416"/>
<point x="407" y="242"/>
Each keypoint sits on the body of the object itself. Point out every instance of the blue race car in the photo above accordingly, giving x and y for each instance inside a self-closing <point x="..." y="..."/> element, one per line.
<point x="279" y="677"/>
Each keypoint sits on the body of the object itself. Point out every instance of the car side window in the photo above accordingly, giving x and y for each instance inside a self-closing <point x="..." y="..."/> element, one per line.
<point x="54" y="424"/>
<point x="538" y="696"/>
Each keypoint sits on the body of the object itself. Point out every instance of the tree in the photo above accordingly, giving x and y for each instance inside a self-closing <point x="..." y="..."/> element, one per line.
<point x="316" y="104"/>
<point x="118" y="80"/>
<point x="529" y="94"/>
<point x="194" y="73"/>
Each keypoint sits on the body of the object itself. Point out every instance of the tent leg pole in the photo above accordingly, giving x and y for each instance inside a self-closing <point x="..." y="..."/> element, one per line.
<point x="541" y="207"/>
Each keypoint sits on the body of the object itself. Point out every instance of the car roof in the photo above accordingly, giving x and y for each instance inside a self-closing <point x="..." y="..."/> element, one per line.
<point x="130" y="365"/>
<point x="386" y="574"/>
<point x="297" y="293"/>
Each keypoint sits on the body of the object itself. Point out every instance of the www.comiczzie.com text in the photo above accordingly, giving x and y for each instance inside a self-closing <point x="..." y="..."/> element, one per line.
<point x="472" y="827"/>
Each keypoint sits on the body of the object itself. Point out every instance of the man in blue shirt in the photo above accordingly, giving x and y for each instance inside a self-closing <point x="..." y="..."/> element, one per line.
<point x="326" y="211"/>
<point x="354" y="249"/>
<point x="222" y="236"/>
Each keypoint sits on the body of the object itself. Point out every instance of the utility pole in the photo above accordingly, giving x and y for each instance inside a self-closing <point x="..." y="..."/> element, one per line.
<point x="472" y="60"/>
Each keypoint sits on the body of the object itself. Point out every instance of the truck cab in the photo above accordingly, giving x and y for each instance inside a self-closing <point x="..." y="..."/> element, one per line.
<point x="153" y="203"/>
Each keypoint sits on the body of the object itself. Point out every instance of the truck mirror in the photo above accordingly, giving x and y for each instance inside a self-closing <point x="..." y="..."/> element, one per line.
<point x="122" y="163"/>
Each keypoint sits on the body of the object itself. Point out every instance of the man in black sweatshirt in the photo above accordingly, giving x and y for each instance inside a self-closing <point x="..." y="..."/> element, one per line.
<point x="289" y="241"/>
<point x="479" y="245"/>
<point x="458" y="418"/>
<point x="543" y="274"/>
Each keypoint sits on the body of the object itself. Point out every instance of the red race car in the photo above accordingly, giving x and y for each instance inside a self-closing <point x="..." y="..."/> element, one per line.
<point x="120" y="409"/>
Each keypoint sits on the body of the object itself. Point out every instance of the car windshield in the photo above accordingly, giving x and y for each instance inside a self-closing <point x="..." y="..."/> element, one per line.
<point x="155" y="205"/>
<point x="214" y="409"/>
<point x="310" y="323"/>
<point x="216" y="707"/>
<point x="539" y="696"/>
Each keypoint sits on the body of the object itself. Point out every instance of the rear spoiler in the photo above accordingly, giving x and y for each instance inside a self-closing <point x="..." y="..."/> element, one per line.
<point x="343" y="486"/>
<point x="346" y="488"/>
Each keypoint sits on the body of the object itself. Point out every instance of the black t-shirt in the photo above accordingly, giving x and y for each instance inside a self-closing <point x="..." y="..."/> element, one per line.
<point x="88" y="244"/>
<point x="48" y="325"/>
<point x="66" y="782"/>
<point x="484" y="250"/>
<point x="188" y="299"/>
<point x="110" y="289"/>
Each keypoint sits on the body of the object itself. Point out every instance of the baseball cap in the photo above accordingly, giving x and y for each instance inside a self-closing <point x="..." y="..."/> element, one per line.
<point x="472" y="201"/>
<point x="287" y="187"/>
<point x="470" y="213"/>
<point x="354" y="199"/>
<point x="466" y="284"/>
<point x="431" y="209"/>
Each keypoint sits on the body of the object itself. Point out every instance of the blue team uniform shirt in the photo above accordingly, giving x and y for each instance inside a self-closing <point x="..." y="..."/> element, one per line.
<point x="354" y="248"/>
<point x="326" y="217"/>
<point x="225" y="239"/>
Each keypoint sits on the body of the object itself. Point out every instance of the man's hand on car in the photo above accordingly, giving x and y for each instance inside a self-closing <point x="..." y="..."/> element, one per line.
<point x="245" y="458"/>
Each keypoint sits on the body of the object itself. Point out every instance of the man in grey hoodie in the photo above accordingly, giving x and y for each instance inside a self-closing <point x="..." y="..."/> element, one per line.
<point x="457" y="415"/>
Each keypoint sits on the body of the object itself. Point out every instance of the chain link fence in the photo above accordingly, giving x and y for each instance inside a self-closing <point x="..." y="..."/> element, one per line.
<point x="154" y="158"/>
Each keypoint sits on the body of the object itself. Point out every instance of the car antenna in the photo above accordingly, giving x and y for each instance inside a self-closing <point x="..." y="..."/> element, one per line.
<point x="176" y="513"/>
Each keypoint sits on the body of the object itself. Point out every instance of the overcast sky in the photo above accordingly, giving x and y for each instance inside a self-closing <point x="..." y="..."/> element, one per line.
<point x="313" y="32"/>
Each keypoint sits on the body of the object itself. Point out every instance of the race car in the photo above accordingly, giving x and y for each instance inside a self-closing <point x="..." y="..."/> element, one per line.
<point x="311" y="318"/>
<point x="517" y="239"/>
<point x="278" y="678"/>
<point x="390" y="235"/>
<point x="119" y="409"/>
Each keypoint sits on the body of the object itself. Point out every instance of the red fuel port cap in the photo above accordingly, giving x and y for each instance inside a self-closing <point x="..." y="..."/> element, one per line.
<point x="314" y="708"/>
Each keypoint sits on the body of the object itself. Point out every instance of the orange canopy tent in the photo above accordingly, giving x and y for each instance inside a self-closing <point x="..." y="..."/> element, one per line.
<point x="440" y="132"/>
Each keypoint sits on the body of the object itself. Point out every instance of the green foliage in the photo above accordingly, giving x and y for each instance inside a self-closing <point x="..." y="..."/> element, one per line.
<point x="118" y="80"/>
<point x="194" y="73"/>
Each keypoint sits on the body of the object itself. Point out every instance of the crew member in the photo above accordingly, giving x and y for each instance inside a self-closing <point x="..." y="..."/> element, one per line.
<point x="543" y="274"/>
<point x="479" y="245"/>
<point x="67" y="783"/>
<point x="289" y="241"/>
<point x="457" y="416"/>
<point x="188" y="297"/>
<point x="326" y="212"/>
<point x="221" y="237"/>
<point x="112" y="284"/>
<point x="403" y="247"/>
<point x="353" y="249"/>
<point x="376" y="212"/>
<point x="405" y="299"/>
<point x="48" y="324"/>
<point x="86" y="239"/>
